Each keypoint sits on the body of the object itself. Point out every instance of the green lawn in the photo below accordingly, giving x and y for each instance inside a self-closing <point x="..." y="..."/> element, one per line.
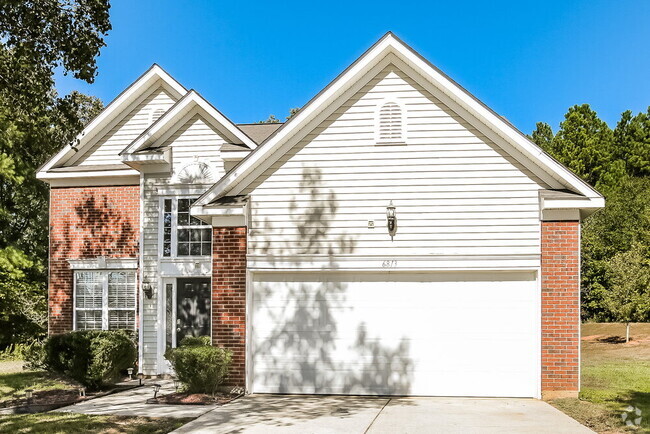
<point x="14" y="381"/>
<point x="614" y="376"/>
<point x="53" y="423"/>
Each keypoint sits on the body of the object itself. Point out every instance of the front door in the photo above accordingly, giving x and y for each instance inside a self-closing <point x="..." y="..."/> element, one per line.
<point x="192" y="308"/>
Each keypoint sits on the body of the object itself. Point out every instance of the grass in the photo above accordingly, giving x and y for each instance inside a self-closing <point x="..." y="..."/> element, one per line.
<point x="53" y="423"/>
<point x="615" y="375"/>
<point x="14" y="381"/>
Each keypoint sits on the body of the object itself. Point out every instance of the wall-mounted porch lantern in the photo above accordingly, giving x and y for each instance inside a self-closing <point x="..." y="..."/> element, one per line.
<point x="147" y="289"/>
<point x="391" y="220"/>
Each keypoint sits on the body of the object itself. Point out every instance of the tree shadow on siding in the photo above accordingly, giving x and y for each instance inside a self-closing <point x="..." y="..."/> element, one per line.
<point x="302" y="318"/>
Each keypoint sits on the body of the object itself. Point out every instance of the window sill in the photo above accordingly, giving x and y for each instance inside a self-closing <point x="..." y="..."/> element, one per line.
<point x="186" y="259"/>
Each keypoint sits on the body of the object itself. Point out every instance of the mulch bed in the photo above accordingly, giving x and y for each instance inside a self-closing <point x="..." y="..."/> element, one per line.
<point x="46" y="397"/>
<point x="45" y="400"/>
<point x="194" y="398"/>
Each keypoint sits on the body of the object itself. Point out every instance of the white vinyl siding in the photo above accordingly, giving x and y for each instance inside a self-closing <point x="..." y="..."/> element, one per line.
<point x="196" y="140"/>
<point x="109" y="144"/>
<point x="105" y="300"/>
<point x="455" y="191"/>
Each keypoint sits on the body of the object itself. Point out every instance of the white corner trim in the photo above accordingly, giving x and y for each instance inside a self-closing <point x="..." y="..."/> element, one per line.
<point x="104" y="263"/>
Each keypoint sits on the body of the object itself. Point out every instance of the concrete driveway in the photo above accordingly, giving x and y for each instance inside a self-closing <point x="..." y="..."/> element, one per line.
<point x="342" y="414"/>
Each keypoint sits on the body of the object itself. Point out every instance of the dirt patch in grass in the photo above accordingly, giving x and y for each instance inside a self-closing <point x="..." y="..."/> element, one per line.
<point x="594" y="416"/>
<point x="82" y="423"/>
<point x="193" y="398"/>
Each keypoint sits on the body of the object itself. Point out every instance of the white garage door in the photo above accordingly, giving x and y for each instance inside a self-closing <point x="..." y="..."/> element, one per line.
<point x="437" y="334"/>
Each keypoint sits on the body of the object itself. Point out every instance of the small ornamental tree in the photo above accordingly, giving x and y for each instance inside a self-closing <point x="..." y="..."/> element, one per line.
<point x="628" y="298"/>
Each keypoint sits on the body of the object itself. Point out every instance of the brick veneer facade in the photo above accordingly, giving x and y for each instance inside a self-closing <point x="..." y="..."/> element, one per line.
<point x="560" y="309"/>
<point x="87" y="222"/>
<point x="229" y="297"/>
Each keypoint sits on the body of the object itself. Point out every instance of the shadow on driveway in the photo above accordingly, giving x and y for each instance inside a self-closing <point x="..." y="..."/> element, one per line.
<point x="349" y="414"/>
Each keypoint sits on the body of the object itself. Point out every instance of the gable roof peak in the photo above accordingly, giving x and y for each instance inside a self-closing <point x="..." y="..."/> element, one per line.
<point x="433" y="79"/>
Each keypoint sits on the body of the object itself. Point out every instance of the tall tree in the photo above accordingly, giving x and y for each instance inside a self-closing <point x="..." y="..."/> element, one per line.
<point x="543" y="136"/>
<point x="37" y="37"/>
<point x="632" y="142"/>
<point x="584" y="143"/>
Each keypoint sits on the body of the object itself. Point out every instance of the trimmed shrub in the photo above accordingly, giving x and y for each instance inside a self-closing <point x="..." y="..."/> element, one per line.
<point x="91" y="357"/>
<point x="199" y="366"/>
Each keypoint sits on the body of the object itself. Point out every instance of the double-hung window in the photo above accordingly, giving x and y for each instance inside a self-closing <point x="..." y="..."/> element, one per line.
<point x="184" y="235"/>
<point x="105" y="299"/>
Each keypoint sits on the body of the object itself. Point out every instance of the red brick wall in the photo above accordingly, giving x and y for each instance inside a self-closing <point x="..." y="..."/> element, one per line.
<point x="87" y="222"/>
<point x="229" y="298"/>
<point x="560" y="308"/>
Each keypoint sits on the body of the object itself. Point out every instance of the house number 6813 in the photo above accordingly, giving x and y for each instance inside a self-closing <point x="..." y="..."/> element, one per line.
<point x="389" y="264"/>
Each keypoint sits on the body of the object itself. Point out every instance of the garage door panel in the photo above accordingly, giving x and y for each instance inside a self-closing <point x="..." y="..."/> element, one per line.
<point x="424" y="333"/>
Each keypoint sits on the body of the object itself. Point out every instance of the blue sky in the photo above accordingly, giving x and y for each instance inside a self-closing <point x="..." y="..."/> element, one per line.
<point x="529" y="61"/>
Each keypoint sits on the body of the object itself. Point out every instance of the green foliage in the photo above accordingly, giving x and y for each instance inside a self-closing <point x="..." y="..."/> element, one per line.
<point x="628" y="297"/>
<point x="618" y="163"/>
<point x="91" y="357"/>
<point x="273" y="120"/>
<point x="35" y="39"/>
<point x="198" y="365"/>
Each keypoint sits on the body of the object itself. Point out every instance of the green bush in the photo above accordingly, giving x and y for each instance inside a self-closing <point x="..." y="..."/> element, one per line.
<point x="199" y="366"/>
<point x="91" y="357"/>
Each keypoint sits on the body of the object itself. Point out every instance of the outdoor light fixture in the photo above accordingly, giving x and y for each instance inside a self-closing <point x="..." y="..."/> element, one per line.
<point x="130" y="372"/>
<point x="28" y="394"/>
<point x="147" y="289"/>
<point x="82" y="391"/>
<point x="156" y="389"/>
<point x="391" y="220"/>
<point x="140" y="378"/>
<point x="176" y="384"/>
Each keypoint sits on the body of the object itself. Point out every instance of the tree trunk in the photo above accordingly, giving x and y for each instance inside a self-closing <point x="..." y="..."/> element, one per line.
<point x="627" y="332"/>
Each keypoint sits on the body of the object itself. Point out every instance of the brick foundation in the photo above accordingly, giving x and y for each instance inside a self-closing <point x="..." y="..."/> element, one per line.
<point x="229" y="298"/>
<point x="560" y="309"/>
<point x="87" y="222"/>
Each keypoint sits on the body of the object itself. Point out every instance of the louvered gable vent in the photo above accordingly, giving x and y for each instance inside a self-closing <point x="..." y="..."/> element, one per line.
<point x="390" y="123"/>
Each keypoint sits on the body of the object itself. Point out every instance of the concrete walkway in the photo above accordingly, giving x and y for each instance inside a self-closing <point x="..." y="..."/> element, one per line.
<point x="335" y="414"/>
<point x="133" y="403"/>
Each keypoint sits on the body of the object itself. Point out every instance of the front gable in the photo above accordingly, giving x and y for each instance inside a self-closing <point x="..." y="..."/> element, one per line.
<point x="390" y="50"/>
<point x="93" y="158"/>
<point x="456" y="192"/>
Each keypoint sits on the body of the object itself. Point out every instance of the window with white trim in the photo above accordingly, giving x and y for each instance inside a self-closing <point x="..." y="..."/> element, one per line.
<point x="183" y="234"/>
<point x="390" y="120"/>
<point x="105" y="299"/>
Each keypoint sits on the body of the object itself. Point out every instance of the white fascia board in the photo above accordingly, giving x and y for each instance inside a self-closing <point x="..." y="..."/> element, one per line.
<point x="586" y="203"/>
<point x="234" y="182"/>
<point x="220" y="211"/>
<point x="114" y="108"/>
<point x="491" y="119"/>
<point x="94" y="174"/>
<point x="190" y="101"/>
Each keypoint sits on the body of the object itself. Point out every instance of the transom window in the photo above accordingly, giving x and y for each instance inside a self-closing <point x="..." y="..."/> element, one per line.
<point x="390" y="124"/>
<point x="105" y="300"/>
<point x="184" y="235"/>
